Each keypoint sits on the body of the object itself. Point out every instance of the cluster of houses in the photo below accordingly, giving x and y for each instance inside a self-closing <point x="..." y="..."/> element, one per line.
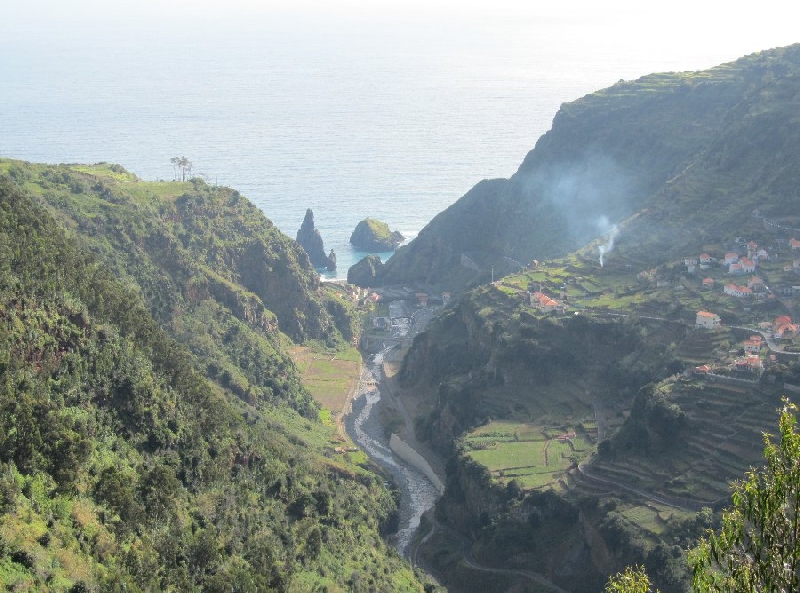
<point x="782" y="328"/>
<point x="743" y="265"/>
<point x="736" y="266"/>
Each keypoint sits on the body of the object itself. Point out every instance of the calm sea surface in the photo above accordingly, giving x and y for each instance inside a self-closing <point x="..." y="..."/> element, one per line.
<point x="351" y="118"/>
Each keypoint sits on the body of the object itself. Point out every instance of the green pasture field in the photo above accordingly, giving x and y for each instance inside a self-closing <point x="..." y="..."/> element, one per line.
<point x="328" y="376"/>
<point x="529" y="453"/>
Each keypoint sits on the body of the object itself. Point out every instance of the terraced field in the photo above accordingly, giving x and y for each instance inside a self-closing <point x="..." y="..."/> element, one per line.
<point x="723" y="439"/>
<point x="534" y="455"/>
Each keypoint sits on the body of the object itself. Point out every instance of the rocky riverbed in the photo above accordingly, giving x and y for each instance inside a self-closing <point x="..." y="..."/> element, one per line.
<point x="417" y="493"/>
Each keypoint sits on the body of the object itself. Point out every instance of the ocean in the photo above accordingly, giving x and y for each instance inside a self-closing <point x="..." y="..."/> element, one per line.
<point x="353" y="116"/>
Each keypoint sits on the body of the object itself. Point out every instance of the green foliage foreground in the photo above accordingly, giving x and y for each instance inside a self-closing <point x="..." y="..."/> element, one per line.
<point x="757" y="547"/>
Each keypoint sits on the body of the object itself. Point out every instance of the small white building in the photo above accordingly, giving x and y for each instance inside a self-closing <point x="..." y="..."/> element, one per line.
<point x="707" y="320"/>
<point x="748" y="265"/>
<point x="752" y="346"/>
<point x="740" y="292"/>
<point x="544" y="303"/>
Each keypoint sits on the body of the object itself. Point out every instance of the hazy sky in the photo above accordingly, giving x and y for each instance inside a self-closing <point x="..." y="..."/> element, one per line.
<point x="721" y="31"/>
<point x="763" y="24"/>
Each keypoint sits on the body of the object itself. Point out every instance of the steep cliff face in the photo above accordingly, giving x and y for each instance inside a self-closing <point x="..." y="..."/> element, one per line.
<point x="310" y="239"/>
<point x="666" y="146"/>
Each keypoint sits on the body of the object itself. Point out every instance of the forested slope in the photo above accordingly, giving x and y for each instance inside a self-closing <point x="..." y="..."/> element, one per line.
<point x="139" y="453"/>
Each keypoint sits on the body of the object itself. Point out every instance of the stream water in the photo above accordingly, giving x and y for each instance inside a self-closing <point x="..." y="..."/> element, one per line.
<point x="417" y="493"/>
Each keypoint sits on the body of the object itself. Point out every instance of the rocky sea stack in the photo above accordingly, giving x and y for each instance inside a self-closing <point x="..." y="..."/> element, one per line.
<point x="310" y="239"/>
<point x="375" y="236"/>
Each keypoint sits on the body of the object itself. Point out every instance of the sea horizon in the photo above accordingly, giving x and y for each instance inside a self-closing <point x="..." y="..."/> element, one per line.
<point x="351" y="116"/>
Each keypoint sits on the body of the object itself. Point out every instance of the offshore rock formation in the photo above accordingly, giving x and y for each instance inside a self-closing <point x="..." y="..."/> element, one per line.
<point x="309" y="239"/>
<point x="374" y="236"/>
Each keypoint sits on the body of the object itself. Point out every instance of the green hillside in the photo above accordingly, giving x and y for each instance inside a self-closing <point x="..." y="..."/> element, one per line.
<point x="668" y="158"/>
<point x="155" y="433"/>
<point x="589" y="423"/>
<point x="593" y="409"/>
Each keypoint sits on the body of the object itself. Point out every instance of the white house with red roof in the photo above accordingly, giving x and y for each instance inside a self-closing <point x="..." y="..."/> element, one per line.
<point x="781" y="320"/>
<point x="708" y="283"/>
<point x="748" y="265"/>
<point x="740" y="292"/>
<point x="794" y="244"/>
<point x="707" y="320"/>
<point x="544" y="303"/>
<point x="753" y="345"/>
<point x="735" y="268"/>
<point x="749" y="363"/>
<point x="705" y="258"/>
<point x="730" y="257"/>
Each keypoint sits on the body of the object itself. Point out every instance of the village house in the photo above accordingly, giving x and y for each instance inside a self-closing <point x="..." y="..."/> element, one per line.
<point x="794" y="244"/>
<point x="707" y="320"/>
<point x="705" y="259"/>
<point x="756" y="284"/>
<point x="740" y="292"/>
<point x="730" y="258"/>
<point x="422" y="299"/>
<point x="736" y="268"/>
<point x="702" y="370"/>
<point x="752" y="249"/>
<point x="781" y="320"/>
<point x="544" y="303"/>
<point x="446" y="296"/>
<point x="748" y="265"/>
<point x="749" y="363"/>
<point x="753" y="345"/>
<point x="787" y="331"/>
<point x="708" y="283"/>
<point x="784" y="328"/>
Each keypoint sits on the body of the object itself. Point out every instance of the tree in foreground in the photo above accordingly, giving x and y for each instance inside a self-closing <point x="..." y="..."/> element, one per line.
<point x="631" y="580"/>
<point x="757" y="547"/>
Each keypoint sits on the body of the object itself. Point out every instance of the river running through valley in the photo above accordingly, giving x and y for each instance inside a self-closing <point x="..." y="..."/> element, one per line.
<point x="417" y="493"/>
